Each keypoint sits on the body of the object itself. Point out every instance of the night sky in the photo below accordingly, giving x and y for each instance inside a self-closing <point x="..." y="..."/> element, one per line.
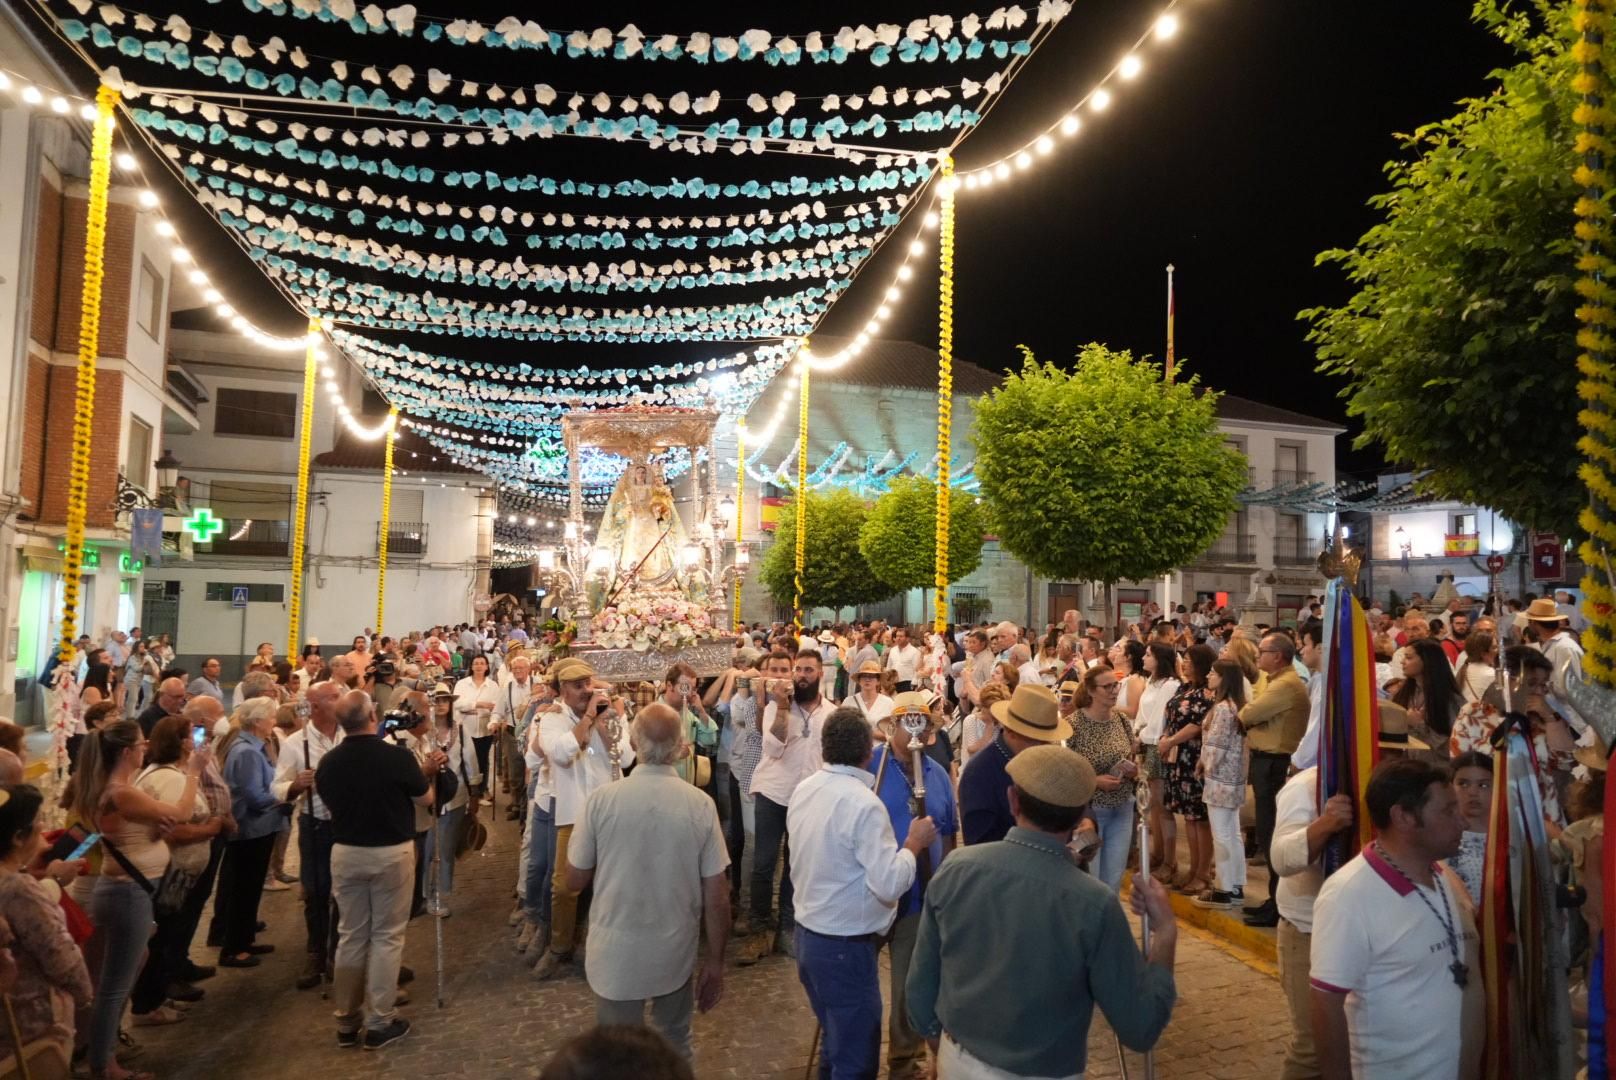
<point x="1249" y="144"/>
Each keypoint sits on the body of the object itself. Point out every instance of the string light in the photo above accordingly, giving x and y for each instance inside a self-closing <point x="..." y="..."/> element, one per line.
<point x="1100" y="97"/>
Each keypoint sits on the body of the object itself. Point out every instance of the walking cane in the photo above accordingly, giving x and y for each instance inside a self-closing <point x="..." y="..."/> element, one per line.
<point x="1142" y="800"/>
<point x="434" y="907"/>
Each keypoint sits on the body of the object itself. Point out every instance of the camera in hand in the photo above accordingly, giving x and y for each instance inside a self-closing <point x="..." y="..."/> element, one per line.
<point x="403" y="718"/>
<point x="381" y="668"/>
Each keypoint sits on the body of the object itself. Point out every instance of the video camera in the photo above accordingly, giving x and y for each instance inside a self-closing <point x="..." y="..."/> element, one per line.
<point x="381" y="668"/>
<point x="402" y="719"/>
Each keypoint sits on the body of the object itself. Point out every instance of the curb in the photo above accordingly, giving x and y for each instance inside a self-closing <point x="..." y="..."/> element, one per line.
<point x="1230" y="928"/>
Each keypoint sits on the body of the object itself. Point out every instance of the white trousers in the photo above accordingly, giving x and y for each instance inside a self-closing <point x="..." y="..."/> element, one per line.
<point x="954" y="1062"/>
<point x="1228" y="847"/>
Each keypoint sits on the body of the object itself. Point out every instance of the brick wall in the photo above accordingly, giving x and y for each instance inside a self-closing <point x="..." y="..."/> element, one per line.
<point x="33" y="434"/>
<point x="115" y="289"/>
<point x="58" y="446"/>
<point x="47" y="253"/>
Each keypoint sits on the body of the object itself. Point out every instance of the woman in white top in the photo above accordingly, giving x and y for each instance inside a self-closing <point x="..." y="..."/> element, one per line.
<point x="868" y="699"/>
<point x="1476" y="670"/>
<point x="1128" y="661"/>
<point x="1159" y="664"/>
<point x="475" y="698"/>
<point x="454" y="742"/>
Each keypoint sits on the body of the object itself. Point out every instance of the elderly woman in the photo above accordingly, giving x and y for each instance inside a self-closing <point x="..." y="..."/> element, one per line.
<point x="247" y="771"/>
<point x="51" y="977"/>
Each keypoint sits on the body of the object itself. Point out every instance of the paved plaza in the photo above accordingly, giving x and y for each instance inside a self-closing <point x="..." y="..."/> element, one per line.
<point x="496" y="1022"/>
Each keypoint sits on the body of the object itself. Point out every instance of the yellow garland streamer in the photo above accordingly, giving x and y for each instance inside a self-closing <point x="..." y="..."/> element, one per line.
<point x="802" y="491"/>
<point x="1598" y="385"/>
<point x="78" y="476"/>
<point x="740" y="509"/>
<point x="945" y="383"/>
<point x="300" y="512"/>
<point x="387" y="517"/>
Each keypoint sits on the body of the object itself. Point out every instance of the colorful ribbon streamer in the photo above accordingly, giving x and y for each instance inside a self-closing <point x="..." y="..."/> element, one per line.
<point x="1349" y="742"/>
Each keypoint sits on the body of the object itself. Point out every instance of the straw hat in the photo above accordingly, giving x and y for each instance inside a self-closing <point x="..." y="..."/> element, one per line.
<point x="869" y="667"/>
<point x="442" y="690"/>
<point x="696" y="770"/>
<point x="1032" y="712"/>
<point x="1070" y="686"/>
<point x="1053" y="775"/>
<point x="1543" y="609"/>
<point x="1394" y="729"/>
<point x="826" y="638"/>
<point x="911" y="701"/>
<point x="569" y="668"/>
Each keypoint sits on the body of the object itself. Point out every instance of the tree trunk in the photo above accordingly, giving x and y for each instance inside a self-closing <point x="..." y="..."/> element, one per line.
<point x="1111" y="633"/>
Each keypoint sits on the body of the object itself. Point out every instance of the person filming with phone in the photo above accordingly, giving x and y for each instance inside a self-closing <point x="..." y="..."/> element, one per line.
<point x="700" y="732"/>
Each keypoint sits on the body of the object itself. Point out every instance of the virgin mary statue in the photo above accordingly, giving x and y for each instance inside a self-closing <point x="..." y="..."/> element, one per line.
<point x="643" y="532"/>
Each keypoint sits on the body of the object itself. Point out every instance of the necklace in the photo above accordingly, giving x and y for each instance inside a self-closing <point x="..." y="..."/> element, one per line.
<point x="1459" y="969"/>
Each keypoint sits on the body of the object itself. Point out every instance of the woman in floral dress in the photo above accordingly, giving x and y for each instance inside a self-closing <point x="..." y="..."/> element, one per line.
<point x="1180" y="748"/>
<point x="1222" y="768"/>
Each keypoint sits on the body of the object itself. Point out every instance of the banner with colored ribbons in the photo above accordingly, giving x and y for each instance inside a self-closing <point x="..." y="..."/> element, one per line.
<point x="1349" y="738"/>
<point x="1523" y="955"/>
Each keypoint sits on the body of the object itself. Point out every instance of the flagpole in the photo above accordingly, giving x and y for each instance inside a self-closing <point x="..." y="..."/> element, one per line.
<point x="1170" y="314"/>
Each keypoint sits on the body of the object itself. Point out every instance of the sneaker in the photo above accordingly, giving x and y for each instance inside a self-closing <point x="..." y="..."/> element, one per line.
<point x="755" y="948"/>
<point x="376" y="1038"/>
<point x="347" y="1040"/>
<point x="1214" y="898"/>
<point x="550" y="964"/>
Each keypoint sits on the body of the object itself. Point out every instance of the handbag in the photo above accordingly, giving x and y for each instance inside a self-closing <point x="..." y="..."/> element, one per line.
<point x="168" y="895"/>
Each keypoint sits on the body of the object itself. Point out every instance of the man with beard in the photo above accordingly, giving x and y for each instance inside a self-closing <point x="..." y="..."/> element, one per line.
<point x="791" y="725"/>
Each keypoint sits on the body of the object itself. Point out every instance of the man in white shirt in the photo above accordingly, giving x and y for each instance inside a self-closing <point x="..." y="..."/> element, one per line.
<point x="1395" y="979"/>
<point x="536" y="866"/>
<point x="1300" y="833"/>
<point x="509" y="708"/>
<point x="1021" y="656"/>
<point x="299" y="755"/>
<point x="576" y="741"/>
<point x="654" y="888"/>
<point x="978" y="669"/>
<point x="851" y="873"/>
<point x="871" y="703"/>
<point x="1005" y="635"/>
<point x="903" y="660"/>
<point x="791" y="724"/>
<point x="1311" y="635"/>
<point x="304" y="676"/>
<point x="1562" y="650"/>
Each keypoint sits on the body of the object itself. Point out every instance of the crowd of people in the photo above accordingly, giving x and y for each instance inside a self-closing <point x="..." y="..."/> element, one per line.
<point x="834" y="792"/>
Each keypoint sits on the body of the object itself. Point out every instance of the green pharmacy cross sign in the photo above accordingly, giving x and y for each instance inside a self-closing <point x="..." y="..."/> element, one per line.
<point x="202" y="525"/>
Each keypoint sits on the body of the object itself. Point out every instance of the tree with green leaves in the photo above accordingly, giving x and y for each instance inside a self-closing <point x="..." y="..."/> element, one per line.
<point x="899" y="538"/>
<point x="1105" y="473"/>
<point x="1459" y="347"/>
<point x="835" y="574"/>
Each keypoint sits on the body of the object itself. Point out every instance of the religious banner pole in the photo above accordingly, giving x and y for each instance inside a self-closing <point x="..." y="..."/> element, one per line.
<point x="945" y="384"/>
<point x="300" y="511"/>
<point x="387" y="518"/>
<point x="740" y="507"/>
<point x="78" y="476"/>
<point x="1172" y="313"/>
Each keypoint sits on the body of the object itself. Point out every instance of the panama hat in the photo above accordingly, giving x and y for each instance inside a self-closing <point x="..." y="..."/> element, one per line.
<point x="869" y="667"/>
<point x="1054" y="775"/>
<point x="826" y="638"/>
<point x="1543" y="609"/>
<point x="1033" y="713"/>
<point x="1394" y="729"/>
<point x="911" y="701"/>
<point x="442" y="690"/>
<point x="568" y="669"/>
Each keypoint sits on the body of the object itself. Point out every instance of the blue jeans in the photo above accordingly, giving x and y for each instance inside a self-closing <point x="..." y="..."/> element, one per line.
<point x="1115" y="824"/>
<point x="449" y="824"/>
<point x="842" y="979"/>
<point x="122" y="913"/>
<point x="541" y="853"/>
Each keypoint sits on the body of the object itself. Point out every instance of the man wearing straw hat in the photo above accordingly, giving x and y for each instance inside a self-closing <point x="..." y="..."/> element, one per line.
<point x="1029" y="718"/>
<point x="1301" y="831"/>
<point x="1547" y="623"/>
<point x="1008" y="928"/>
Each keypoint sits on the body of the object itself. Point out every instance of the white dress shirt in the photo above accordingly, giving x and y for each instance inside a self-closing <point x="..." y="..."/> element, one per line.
<point x="303" y="749"/>
<point x="512" y="703"/>
<point x="1295" y="808"/>
<point x="873" y="713"/>
<point x="904" y="663"/>
<point x="468" y="695"/>
<point x="576" y="771"/>
<point x="786" y="764"/>
<point x="1306" y="754"/>
<point x="538" y="766"/>
<point x="846" y="866"/>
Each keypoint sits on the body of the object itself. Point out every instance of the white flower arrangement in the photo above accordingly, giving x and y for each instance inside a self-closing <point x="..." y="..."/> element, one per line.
<point x="647" y="622"/>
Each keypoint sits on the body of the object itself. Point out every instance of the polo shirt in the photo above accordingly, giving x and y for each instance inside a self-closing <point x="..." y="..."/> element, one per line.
<point x="1381" y="946"/>
<point x="984" y="794"/>
<point x="370" y="784"/>
<point x="650" y="839"/>
<point x="895" y="791"/>
<point x="1016" y="947"/>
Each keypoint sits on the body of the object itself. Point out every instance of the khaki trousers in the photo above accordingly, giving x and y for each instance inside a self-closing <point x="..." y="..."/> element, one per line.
<point x="1301" y="1059"/>
<point x="373" y="887"/>
<point x="563" y="901"/>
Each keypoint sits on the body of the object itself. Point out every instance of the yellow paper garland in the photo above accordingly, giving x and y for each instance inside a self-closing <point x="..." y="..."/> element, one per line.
<point x="945" y="383"/>
<point x="1598" y="385"/>
<point x="387" y="517"/>
<point x="78" y="476"/>
<point x="802" y="490"/>
<point x="300" y="511"/>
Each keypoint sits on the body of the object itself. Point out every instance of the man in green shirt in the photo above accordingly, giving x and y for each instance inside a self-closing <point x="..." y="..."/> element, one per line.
<point x="1017" y="945"/>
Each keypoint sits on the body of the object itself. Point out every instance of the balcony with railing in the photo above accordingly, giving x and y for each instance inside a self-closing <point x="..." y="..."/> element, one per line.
<point x="1287" y="478"/>
<point x="1295" y="551"/>
<point x="251" y="536"/>
<point x="1236" y="549"/>
<point x="405" y="539"/>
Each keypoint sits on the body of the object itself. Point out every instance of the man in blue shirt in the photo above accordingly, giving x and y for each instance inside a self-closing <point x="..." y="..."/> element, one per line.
<point x="1029" y="718"/>
<point x="893" y="766"/>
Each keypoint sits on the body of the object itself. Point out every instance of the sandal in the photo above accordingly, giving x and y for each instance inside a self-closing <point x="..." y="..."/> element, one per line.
<point x="1194" y="887"/>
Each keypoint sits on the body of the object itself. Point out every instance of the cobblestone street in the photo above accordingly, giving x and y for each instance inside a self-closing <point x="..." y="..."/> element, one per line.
<point x="497" y="1023"/>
